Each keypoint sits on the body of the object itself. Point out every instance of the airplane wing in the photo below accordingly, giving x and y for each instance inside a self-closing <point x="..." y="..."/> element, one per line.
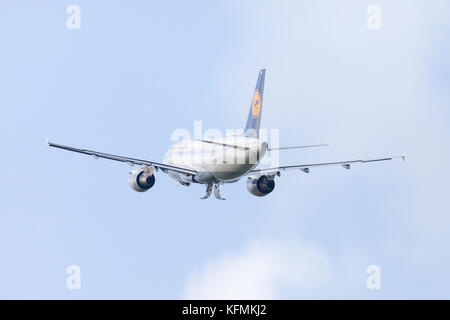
<point x="306" y="167"/>
<point x="131" y="161"/>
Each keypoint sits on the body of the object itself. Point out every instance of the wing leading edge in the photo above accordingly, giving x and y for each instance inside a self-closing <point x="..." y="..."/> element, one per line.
<point x="305" y="167"/>
<point x="131" y="161"/>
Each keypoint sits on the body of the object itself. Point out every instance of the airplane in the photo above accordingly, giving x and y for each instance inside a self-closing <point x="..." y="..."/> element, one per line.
<point x="218" y="161"/>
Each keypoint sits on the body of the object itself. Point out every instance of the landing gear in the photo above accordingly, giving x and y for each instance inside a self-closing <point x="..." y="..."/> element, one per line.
<point x="208" y="191"/>
<point x="217" y="192"/>
<point x="209" y="188"/>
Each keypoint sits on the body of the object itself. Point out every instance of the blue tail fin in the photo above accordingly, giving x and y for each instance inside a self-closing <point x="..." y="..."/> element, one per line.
<point x="254" y="116"/>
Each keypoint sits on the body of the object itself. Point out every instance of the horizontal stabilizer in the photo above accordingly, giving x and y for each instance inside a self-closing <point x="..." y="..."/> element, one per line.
<point x="299" y="147"/>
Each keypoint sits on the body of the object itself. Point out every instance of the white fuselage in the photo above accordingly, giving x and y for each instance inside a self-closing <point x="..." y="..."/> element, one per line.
<point x="216" y="160"/>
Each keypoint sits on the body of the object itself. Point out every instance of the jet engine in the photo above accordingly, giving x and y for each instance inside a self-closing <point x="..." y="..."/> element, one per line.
<point x="141" y="179"/>
<point x="261" y="186"/>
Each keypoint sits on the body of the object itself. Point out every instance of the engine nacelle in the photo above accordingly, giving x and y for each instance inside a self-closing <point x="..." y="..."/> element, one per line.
<point x="141" y="179"/>
<point x="260" y="186"/>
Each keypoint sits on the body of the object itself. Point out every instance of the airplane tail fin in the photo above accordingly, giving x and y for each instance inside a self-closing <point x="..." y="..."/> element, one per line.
<point x="254" y="116"/>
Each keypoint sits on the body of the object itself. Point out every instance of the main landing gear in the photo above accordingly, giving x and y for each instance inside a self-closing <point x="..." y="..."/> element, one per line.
<point x="209" y="188"/>
<point x="208" y="191"/>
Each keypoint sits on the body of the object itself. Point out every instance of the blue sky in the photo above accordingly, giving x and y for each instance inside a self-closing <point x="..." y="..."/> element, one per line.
<point x="137" y="71"/>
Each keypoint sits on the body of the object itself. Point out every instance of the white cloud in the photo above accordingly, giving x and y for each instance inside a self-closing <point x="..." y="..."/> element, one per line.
<point x="261" y="270"/>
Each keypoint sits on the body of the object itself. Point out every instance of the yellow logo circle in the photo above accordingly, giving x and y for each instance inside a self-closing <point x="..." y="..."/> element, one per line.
<point x="256" y="104"/>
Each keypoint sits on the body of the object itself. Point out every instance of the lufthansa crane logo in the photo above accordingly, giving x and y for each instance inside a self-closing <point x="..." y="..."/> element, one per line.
<point x="256" y="104"/>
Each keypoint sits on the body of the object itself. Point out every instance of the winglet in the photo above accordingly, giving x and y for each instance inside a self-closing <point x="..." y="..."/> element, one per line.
<point x="47" y="142"/>
<point x="404" y="157"/>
